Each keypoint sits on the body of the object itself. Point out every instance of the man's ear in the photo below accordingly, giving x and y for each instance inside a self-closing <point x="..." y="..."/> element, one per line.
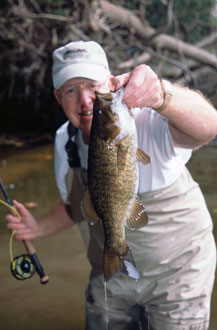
<point x="57" y="96"/>
<point x="112" y="84"/>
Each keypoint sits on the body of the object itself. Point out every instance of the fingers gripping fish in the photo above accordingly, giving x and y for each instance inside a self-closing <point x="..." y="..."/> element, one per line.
<point x="113" y="178"/>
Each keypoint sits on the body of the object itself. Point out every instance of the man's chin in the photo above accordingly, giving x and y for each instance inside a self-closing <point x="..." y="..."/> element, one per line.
<point x="85" y="125"/>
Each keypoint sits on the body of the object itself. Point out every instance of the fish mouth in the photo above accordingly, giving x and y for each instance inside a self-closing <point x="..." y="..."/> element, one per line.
<point x="87" y="113"/>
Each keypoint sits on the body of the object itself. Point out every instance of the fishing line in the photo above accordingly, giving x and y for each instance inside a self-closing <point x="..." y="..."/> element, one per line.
<point x="12" y="209"/>
<point x="11" y="245"/>
<point x="15" y="212"/>
<point x="23" y="266"/>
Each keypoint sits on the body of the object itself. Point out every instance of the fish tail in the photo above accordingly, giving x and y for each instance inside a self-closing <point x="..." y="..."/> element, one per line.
<point x="116" y="263"/>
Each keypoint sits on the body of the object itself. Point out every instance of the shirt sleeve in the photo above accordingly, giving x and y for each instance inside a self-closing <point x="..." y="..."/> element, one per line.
<point x="167" y="162"/>
<point x="154" y="132"/>
<point x="161" y="137"/>
<point x="60" y="161"/>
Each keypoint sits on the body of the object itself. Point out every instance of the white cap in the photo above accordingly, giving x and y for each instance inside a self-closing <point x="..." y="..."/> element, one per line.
<point x="79" y="59"/>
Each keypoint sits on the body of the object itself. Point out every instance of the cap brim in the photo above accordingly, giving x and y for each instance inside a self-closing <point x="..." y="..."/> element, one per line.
<point x="80" y="70"/>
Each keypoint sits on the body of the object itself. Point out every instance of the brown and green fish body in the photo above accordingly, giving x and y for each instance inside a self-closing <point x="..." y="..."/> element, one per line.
<point x="113" y="181"/>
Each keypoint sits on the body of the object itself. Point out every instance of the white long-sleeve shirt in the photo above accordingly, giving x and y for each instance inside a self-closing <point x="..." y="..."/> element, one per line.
<point x="154" y="138"/>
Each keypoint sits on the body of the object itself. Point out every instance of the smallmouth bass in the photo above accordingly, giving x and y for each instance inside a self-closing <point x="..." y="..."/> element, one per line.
<point x="113" y="178"/>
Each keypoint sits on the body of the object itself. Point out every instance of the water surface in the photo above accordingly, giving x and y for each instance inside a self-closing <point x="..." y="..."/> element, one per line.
<point x="29" y="178"/>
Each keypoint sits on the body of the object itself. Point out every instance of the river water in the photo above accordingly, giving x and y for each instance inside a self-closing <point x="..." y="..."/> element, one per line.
<point x="29" y="178"/>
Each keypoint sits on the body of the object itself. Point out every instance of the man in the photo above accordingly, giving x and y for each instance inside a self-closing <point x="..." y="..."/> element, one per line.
<point x="175" y="252"/>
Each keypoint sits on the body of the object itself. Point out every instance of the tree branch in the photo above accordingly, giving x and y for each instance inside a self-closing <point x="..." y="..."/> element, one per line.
<point x="127" y="19"/>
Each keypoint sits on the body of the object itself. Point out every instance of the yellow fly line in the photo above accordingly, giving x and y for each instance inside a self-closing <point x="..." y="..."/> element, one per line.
<point x="16" y="213"/>
<point x="24" y="266"/>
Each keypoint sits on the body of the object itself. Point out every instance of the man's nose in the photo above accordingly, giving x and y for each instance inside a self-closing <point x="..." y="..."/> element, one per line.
<point x="85" y="97"/>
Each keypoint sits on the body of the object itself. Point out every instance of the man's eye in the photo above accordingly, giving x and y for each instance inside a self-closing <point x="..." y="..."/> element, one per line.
<point x="93" y="86"/>
<point x="97" y="87"/>
<point x="70" y="90"/>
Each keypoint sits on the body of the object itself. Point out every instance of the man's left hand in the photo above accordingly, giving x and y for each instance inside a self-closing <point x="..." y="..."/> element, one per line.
<point x="143" y="88"/>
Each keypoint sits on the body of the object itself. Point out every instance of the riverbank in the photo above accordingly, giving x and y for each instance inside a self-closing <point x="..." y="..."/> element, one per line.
<point x="11" y="143"/>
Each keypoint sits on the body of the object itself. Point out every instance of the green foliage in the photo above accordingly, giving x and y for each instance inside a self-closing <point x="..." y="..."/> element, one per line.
<point x="55" y="7"/>
<point x="192" y="18"/>
<point x="27" y="43"/>
<point x="156" y="13"/>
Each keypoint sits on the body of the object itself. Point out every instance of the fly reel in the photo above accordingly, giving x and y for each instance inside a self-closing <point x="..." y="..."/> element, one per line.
<point x="25" y="265"/>
<point x="22" y="267"/>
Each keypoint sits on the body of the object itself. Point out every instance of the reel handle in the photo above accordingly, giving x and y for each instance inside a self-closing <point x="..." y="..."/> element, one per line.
<point x="44" y="279"/>
<point x="34" y="258"/>
<point x="28" y="244"/>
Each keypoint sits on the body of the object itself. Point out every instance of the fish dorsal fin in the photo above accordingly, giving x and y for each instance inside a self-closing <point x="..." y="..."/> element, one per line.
<point x="142" y="157"/>
<point x="87" y="209"/>
<point x="138" y="217"/>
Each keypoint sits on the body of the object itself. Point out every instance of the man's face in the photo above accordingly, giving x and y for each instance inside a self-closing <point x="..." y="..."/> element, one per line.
<point x="77" y="96"/>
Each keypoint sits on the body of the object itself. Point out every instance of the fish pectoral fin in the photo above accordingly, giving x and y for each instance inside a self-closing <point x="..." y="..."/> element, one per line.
<point x="110" y="133"/>
<point x="87" y="209"/>
<point x="138" y="217"/>
<point x="114" y="131"/>
<point x="142" y="157"/>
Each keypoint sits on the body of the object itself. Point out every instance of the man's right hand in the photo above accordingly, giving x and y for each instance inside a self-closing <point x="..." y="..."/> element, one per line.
<point x="26" y="226"/>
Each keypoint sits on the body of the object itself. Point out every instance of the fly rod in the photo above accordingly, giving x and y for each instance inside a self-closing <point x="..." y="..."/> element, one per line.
<point x="23" y="266"/>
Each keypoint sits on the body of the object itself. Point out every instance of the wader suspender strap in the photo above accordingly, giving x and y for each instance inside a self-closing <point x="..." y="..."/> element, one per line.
<point x="71" y="147"/>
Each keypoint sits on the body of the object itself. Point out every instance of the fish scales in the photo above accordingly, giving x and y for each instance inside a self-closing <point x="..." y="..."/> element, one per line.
<point x="113" y="181"/>
<point x="107" y="180"/>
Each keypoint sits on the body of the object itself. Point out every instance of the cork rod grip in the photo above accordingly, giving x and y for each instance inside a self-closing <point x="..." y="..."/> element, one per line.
<point x="44" y="279"/>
